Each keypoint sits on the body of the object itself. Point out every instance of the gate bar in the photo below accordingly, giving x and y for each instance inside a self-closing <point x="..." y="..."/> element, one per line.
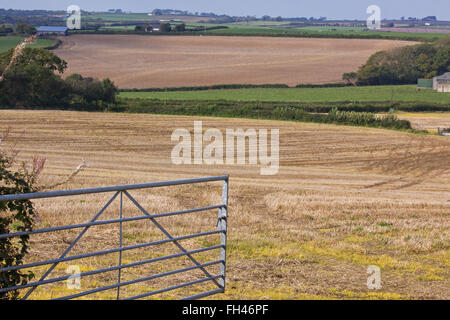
<point x="123" y="266"/>
<point x="104" y="252"/>
<point x="104" y="222"/>
<point x="64" y="193"/>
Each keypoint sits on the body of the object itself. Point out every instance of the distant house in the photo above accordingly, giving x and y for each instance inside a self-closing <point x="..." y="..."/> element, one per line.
<point x="442" y="83"/>
<point x="46" y="31"/>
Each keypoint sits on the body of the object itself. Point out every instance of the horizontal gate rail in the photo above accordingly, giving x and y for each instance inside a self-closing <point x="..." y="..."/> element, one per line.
<point x="218" y="280"/>
<point x="65" y="193"/>
<point x="105" y="222"/>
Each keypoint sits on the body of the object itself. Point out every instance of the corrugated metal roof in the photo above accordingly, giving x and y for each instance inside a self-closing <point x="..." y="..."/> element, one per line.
<point x="52" y="29"/>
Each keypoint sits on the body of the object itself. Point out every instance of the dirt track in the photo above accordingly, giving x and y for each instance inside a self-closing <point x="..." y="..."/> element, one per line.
<point x="134" y="61"/>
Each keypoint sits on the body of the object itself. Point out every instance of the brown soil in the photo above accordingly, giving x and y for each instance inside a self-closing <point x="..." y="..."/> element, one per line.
<point x="134" y="61"/>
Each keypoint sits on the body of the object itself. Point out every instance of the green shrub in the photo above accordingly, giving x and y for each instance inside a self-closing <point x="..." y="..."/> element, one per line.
<point x="15" y="216"/>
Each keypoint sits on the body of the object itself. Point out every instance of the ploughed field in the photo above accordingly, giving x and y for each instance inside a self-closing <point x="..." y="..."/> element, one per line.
<point x="345" y="198"/>
<point x="135" y="61"/>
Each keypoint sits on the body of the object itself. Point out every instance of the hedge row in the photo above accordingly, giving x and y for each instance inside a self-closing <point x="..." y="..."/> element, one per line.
<point x="213" y="87"/>
<point x="58" y="42"/>
<point x="251" y="110"/>
<point x="236" y="86"/>
<point x="318" y="107"/>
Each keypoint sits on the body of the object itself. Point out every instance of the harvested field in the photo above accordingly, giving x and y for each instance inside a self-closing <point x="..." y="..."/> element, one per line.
<point x="345" y="198"/>
<point x="429" y="121"/>
<point x="134" y="61"/>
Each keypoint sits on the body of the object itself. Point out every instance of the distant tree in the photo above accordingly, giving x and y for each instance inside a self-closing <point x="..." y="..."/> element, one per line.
<point x="143" y="28"/>
<point x="24" y="29"/>
<point x="407" y="64"/>
<point x="350" y="78"/>
<point x="266" y="18"/>
<point x="441" y="63"/>
<point x="180" y="27"/>
<point x="5" y="29"/>
<point x="165" y="27"/>
<point x="110" y="91"/>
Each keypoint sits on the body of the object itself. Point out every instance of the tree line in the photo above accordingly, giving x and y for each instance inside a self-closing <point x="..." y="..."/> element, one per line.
<point x="34" y="80"/>
<point x="404" y="65"/>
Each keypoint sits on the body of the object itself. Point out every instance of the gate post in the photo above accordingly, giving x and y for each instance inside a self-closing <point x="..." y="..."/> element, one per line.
<point x="222" y="224"/>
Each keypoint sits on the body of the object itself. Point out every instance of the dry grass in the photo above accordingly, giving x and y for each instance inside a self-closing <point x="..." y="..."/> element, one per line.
<point x="345" y="198"/>
<point x="134" y="61"/>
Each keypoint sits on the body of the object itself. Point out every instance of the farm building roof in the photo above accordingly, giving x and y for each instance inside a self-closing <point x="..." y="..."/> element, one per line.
<point x="445" y="76"/>
<point x="52" y="29"/>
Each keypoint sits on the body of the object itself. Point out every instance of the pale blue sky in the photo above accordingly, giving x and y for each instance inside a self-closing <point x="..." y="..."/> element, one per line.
<point x="333" y="9"/>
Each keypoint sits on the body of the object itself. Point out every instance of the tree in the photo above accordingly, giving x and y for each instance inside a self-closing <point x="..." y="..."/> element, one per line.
<point x="143" y="28"/>
<point x="31" y="79"/>
<point x="165" y="27"/>
<point x="5" y="29"/>
<point x="406" y="65"/>
<point x="350" y="78"/>
<point x="109" y="91"/>
<point x="441" y="63"/>
<point x="24" y="29"/>
<point x="86" y="91"/>
<point x="180" y="27"/>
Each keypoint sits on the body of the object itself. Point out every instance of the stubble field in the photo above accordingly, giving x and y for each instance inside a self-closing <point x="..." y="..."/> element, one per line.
<point x="134" y="61"/>
<point x="345" y="198"/>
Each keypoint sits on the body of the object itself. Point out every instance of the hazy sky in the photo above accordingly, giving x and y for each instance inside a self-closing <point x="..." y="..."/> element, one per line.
<point x="332" y="9"/>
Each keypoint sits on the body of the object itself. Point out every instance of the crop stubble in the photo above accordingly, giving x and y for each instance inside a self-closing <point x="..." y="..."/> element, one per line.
<point x="345" y="198"/>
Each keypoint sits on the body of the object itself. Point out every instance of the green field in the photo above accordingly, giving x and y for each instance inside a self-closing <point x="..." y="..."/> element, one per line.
<point x="9" y="42"/>
<point x="324" y="33"/>
<point x="113" y="17"/>
<point x="257" y="28"/>
<point x="404" y="93"/>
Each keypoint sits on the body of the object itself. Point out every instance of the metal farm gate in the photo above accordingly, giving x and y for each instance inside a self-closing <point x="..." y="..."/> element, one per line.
<point x="120" y="192"/>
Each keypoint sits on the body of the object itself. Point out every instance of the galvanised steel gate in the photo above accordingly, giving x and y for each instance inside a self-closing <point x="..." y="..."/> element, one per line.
<point x="121" y="192"/>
